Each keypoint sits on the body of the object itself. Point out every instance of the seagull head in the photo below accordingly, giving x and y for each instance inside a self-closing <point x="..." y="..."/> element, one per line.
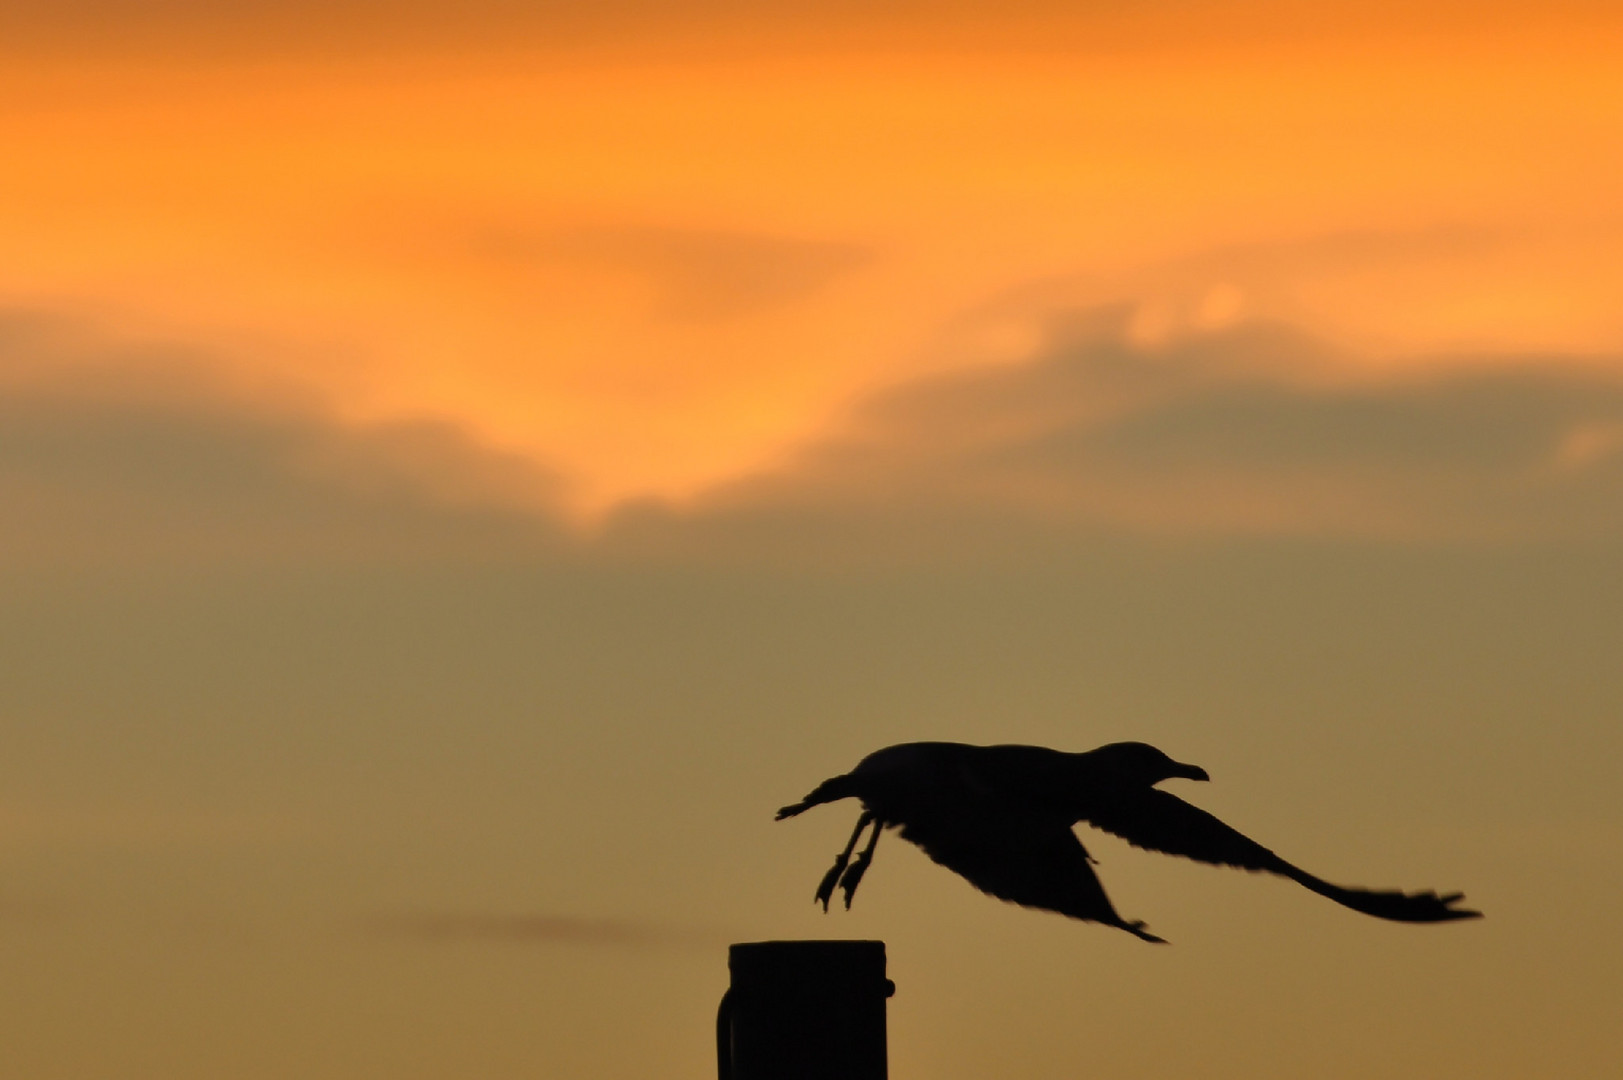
<point x="1142" y="763"/>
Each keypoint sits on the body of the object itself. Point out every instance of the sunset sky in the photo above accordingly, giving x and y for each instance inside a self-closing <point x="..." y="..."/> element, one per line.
<point x="463" y="466"/>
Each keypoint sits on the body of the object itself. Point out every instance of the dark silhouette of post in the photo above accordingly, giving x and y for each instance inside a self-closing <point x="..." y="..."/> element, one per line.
<point x="804" y="1010"/>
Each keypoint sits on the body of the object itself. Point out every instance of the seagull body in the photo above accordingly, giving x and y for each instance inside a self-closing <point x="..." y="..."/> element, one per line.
<point x="1002" y="817"/>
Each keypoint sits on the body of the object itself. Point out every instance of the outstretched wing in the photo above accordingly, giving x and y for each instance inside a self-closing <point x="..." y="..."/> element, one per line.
<point x="1158" y="821"/>
<point x="1035" y="862"/>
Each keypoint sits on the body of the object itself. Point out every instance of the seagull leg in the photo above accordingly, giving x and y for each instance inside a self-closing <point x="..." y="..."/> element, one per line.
<point x="853" y="876"/>
<point x="825" y="891"/>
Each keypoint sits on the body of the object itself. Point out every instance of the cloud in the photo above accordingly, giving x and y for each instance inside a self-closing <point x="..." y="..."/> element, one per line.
<point x="689" y="274"/>
<point x="1445" y="287"/>
<point x="113" y="454"/>
<point x="1254" y="430"/>
<point x="452" y="927"/>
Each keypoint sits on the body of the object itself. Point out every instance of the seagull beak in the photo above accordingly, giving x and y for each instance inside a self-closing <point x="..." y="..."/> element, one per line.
<point x="1191" y="772"/>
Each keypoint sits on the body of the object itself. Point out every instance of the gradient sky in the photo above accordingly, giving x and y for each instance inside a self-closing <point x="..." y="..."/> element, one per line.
<point x="462" y="467"/>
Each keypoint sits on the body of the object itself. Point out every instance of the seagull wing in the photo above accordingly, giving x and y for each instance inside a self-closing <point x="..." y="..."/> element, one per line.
<point x="1158" y="821"/>
<point x="1035" y="862"/>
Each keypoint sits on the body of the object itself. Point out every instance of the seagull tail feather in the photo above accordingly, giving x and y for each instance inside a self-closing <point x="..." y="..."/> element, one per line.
<point x="830" y="790"/>
<point x="1425" y="906"/>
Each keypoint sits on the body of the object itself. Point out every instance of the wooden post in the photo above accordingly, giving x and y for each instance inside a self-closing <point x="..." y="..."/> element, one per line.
<point x="804" y="1010"/>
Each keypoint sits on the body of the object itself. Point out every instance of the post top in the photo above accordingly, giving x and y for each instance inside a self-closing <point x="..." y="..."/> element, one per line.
<point x="817" y="958"/>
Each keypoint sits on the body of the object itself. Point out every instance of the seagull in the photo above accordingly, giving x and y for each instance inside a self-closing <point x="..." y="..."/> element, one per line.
<point x="1001" y="817"/>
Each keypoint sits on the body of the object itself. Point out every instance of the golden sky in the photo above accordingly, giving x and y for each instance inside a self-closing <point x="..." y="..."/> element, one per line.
<point x="463" y="466"/>
<point x="652" y="269"/>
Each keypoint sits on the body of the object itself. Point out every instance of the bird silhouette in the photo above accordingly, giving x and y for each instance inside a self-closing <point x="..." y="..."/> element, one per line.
<point x="1001" y="817"/>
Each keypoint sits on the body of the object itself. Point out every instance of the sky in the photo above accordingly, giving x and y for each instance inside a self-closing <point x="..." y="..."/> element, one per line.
<point x="463" y="467"/>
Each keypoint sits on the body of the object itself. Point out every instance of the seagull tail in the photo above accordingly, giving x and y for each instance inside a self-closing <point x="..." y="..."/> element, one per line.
<point x="830" y="790"/>
<point x="1417" y="907"/>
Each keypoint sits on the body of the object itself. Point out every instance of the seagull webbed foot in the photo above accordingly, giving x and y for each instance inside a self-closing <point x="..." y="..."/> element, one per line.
<point x="825" y="891"/>
<point x="853" y="876"/>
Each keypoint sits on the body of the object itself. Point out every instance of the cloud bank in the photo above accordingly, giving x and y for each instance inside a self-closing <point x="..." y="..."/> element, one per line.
<point x="1256" y="430"/>
<point x="112" y="454"/>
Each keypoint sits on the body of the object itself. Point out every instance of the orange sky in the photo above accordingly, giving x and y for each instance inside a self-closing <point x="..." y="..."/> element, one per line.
<point x="1242" y="376"/>
<point x="653" y="271"/>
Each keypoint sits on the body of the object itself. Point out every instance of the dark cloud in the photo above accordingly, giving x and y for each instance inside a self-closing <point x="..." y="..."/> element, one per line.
<point x="1254" y="431"/>
<point x="110" y="455"/>
<point x="453" y="927"/>
<point x="1257" y="430"/>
